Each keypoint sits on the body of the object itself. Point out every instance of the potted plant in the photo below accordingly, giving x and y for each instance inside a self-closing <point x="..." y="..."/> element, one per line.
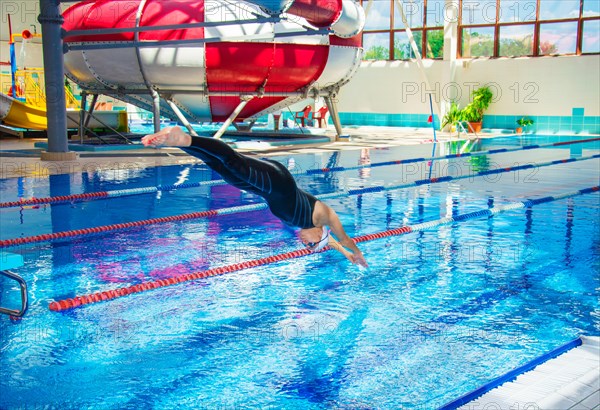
<point x="453" y="116"/>
<point x="473" y="112"/>
<point x="523" y="122"/>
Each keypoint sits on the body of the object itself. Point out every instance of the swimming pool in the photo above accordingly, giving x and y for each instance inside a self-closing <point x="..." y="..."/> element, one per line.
<point x="438" y="313"/>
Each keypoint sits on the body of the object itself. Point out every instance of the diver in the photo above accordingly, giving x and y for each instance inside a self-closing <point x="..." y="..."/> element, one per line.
<point x="272" y="181"/>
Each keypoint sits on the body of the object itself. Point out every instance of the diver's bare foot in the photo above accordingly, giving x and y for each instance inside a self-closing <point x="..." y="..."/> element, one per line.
<point x="170" y="137"/>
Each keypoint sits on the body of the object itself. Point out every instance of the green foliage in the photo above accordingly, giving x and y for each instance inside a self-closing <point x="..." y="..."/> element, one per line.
<point x="477" y="44"/>
<point x="482" y="45"/>
<point x="482" y="98"/>
<point x="435" y="44"/>
<point x="525" y="122"/>
<point x="453" y="115"/>
<point x="516" y="47"/>
<point x="479" y="163"/>
<point x="377" y="53"/>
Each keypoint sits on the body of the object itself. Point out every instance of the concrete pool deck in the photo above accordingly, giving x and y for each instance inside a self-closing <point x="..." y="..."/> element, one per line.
<point x="20" y="157"/>
<point x="570" y="381"/>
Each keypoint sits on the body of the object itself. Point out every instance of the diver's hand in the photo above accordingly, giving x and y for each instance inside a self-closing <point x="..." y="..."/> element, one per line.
<point x="358" y="259"/>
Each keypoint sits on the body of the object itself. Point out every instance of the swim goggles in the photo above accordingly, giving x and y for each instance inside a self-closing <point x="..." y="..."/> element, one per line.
<point x="317" y="246"/>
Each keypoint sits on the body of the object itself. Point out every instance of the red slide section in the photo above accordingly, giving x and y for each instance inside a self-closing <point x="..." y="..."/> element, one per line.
<point x="246" y="67"/>
<point x="319" y="13"/>
<point x="102" y="14"/>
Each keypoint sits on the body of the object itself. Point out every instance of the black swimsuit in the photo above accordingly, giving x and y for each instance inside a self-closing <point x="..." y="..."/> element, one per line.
<point x="268" y="179"/>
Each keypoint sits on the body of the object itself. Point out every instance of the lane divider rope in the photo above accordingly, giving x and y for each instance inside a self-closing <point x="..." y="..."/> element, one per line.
<point x="149" y="190"/>
<point x="79" y="301"/>
<point x="255" y="207"/>
<point x="128" y="225"/>
<point x="448" y="178"/>
<point x="449" y="156"/>
<point x="107" y="194"/>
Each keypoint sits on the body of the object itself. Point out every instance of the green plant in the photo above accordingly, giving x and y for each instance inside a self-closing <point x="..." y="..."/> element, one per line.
<point x="482" y="98"/>
<point x="453" y="115"/>
<point x="524" y="122"/>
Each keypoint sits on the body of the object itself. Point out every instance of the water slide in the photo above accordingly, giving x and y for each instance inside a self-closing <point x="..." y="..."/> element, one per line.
<point x="23" y="102"/>
<point x="19" y="114"/>
<point x="213" y="60"/>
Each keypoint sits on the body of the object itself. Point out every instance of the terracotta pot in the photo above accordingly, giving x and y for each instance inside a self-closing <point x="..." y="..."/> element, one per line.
<point x="474" y="126"/>
<point x="519" y="130"/>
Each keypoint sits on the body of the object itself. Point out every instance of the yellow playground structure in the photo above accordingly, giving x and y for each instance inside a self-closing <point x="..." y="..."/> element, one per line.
<point x="24" y="105"/>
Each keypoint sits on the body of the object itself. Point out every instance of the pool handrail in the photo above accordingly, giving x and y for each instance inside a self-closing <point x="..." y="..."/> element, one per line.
<point x="11" y="261"/>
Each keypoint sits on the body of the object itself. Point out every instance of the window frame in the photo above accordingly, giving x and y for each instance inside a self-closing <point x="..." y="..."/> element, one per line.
<point x="537" y="23"/>
<point x="392" y="31"/>
<point x="497" y="25"/>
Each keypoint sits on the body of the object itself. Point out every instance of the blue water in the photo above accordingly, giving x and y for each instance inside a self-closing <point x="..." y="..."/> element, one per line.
<point x="437" y="314"/>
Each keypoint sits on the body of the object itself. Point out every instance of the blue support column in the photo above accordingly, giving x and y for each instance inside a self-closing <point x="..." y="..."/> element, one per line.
<point x="51" y="21"/>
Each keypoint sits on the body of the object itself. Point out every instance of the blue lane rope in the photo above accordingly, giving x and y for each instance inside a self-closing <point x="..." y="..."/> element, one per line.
<point x="149" y="190"/>
<point x="380" y="188"/>
<point x="450" y="156"/>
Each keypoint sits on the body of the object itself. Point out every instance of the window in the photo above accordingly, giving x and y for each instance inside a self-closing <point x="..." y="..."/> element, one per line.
<point x="384" y="36"/>
<point x="376" y="45"/>
<point x="486" y="28"/>
<point x="478" y="42"/>
<point x="513" y="28"/>
<point x="379" y="16"/>
<point x="558" y="38"/>
<point x="517" y="11"/>
<point x="478" y="12"/>
<point x="516" y="40"/>
<point x="591" y="38"/>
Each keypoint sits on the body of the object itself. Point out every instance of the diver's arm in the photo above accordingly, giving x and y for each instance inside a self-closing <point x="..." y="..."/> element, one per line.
<point x="324" y="215"/>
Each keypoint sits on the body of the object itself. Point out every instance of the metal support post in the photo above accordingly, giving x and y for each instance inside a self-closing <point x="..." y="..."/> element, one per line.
<point x="335" y="115"/>
<point x="155" y="110"/>
<point x="244" y="100"/>
<point x="51" y="21"/>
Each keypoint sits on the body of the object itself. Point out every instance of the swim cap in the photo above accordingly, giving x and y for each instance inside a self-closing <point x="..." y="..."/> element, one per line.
<point x="324" y="240"/>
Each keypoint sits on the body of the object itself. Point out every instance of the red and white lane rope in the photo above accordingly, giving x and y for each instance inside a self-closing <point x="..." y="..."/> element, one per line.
<point x="78" y="301"/>
<point x="255" y="207"/>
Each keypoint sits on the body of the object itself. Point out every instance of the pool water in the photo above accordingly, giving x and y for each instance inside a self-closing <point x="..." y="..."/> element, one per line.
<point x="437" y="314"/>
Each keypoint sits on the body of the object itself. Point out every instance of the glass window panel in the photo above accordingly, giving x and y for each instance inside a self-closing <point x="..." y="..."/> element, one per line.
<point x="478" y="42"/>
<point x="435" y="14"/>
<point x="376" y="46"/>
<point x="379" y="15"/>
<point x="435" y="43"/>
<point x="559" y="9"/>
<point x="591" y="37"/>
<point x="591" y="8"/>
<point x="517" y="11"/>
<point x="414" y="14"/>
<point x="478" y="12"/>
<point x="516" y="40"/>
<point x="558" y="38"/>
<point x="402" y="48"/>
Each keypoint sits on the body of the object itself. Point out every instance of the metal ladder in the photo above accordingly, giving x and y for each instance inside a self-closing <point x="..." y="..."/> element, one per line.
<point x="11" y="261"/>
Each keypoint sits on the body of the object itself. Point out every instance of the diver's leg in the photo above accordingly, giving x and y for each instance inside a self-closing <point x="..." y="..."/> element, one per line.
<point x="265" y="176"/>
<point x="262" y="175"/>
